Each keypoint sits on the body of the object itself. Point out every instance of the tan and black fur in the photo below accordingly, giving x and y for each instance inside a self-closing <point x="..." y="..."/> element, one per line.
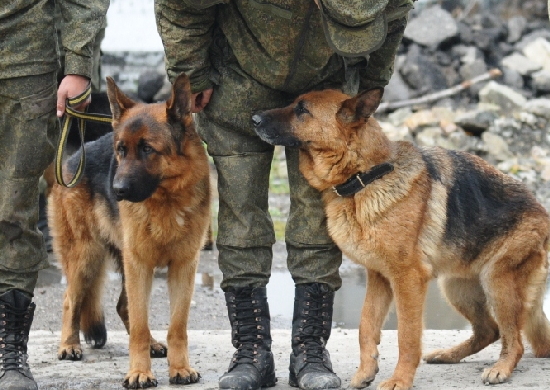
<point x="145" y="200"/>
<point x="439" y="213"/>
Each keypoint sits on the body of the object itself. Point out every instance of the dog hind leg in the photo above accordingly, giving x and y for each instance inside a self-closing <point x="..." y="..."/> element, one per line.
<point x="83" y="265"/>
<point x="537" y="326"/>
<point x="468" y="298"/>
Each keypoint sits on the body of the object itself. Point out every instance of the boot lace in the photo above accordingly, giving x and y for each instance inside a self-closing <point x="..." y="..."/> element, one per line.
<point x="313" y="332"/>
<point x="246" y="333"/>
<point x="13" y="339"/>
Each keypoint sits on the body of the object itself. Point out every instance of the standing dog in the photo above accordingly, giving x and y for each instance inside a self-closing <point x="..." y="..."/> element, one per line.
<point x="145" y="199"/>
<point x="409" y="214"/>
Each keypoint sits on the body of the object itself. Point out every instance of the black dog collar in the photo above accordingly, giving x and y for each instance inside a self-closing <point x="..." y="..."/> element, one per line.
<point x="360" y="180"/>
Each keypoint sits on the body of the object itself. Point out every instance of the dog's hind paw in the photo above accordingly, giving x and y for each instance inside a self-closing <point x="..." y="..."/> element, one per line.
<point x="158" y="350"/>
<point x="184" y="377"/>
<point x="70" y="352"/>
<point x="96" y="336"/>
<point x="139" y="380"/>
<point x="441" y="356"/>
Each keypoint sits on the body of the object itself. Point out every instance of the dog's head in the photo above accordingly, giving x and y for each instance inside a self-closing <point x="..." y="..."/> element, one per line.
<point x="331" y="129"/>
<point x="147" y="137"/>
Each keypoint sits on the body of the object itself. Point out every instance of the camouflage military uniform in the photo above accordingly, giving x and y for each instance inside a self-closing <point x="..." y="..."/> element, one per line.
<point x="257" y="56"/>
<point x="28" y="125"/>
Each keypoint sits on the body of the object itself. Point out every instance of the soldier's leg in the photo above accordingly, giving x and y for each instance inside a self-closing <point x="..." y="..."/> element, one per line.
<point x="245" y="229"/>
<point x="313" y="261"/>
<point x="28" y="131"/>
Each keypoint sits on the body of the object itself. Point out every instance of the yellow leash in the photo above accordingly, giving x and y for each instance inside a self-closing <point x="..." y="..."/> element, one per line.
<point x="82" y="117"/>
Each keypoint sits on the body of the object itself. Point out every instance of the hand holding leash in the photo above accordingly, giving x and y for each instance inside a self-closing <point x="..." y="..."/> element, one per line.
<point x="72" y="85"/>
<point x="69" y="107"/>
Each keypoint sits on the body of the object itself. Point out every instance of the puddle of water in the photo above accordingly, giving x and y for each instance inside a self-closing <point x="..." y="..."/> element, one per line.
<point x="347" y="302"/>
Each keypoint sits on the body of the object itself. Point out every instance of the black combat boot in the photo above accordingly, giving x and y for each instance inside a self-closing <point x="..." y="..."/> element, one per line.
<point x="310" y="366"/>
<point x="252" y="366"/>
<point x="16" y="315"/>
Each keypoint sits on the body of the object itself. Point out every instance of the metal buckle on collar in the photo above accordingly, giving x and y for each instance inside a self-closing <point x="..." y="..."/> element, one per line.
<point x="358" y="176"/>
<point x="336" y="191"/>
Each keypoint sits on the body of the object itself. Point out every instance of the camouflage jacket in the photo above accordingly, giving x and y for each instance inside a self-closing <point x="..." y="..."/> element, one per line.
<point x="29" y="44"/>
<point x="280" y="43"/>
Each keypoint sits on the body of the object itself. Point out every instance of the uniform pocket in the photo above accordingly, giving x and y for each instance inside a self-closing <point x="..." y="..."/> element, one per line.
<point x="33" y="131"/>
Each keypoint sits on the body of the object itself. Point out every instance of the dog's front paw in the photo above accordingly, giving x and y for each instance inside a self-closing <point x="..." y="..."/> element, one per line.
<point x="139" y="380"/>
<point x="441" y="356"/>
<point x="364" y="376"/>
<point x="183" y="376"/>
<point x="494" y="375"/>
<point x="395" y="384"/>
<point x="69" y="352"/>
<point x="158" y="350"/>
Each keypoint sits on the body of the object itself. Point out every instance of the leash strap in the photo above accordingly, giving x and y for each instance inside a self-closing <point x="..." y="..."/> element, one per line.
<point x="82" y="117"/>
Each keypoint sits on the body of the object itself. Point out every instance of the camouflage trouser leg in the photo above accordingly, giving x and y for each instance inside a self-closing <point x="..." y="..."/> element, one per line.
<point x="245" y="231"/>
<point x="28" y="132"/>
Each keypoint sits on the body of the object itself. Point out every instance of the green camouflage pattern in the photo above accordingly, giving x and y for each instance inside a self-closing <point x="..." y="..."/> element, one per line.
<point x="95" y="76"/>
<point x="359" y="27"/>
<point x="29" y="44"/>
<point x="29" y="128"/>
<point x="280" y="43"/>
<point x="257" y="56"/>
<point x="243" y="163"/>
<point x="28" y="133"/>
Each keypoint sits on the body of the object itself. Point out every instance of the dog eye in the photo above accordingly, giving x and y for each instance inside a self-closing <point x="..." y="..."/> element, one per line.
<point x="301" y="108"/>
<point x="121" y="150"/>
<point x="147" y="149"/>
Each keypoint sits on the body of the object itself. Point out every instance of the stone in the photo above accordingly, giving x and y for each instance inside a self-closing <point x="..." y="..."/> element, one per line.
<point x="503" y="96"/>
<point x="422" y="28"/>
<point x="521" y="64"/>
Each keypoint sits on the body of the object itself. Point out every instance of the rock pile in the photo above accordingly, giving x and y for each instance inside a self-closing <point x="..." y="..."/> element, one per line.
<point x="505" y="120"/>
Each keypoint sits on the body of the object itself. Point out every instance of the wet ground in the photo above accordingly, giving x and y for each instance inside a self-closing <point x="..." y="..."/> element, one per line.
<point x="209" y="312"/>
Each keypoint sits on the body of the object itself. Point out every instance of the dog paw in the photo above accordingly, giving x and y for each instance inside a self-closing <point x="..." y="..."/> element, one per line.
<point x="441" y="356"/>
<point x="139" y="380"/>
<point x="184" y="376"/>
<point x="70" y="352"/>
<point x="96" y="335"/>
<point x="158" y="350"/>
<point x="493" y="376"/>
<point x="394" y="384"/>
<point x="364" y="377"/>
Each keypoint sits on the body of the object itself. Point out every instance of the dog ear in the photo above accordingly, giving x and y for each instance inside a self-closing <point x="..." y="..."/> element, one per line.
<point x="179" y="104"/>
<point x="362" y="106"/>
<point x="118" y="101"/>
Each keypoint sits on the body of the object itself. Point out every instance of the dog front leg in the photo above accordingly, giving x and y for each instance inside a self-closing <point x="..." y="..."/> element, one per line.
<point x="138" y="282"/>
<point x="181" y="283"/>
<point x="375" y="309"/>
<point x="158" y="349"/>
<point x="409" y="289"/>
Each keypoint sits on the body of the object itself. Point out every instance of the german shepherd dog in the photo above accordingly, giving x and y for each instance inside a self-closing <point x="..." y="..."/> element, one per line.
<point x="409" y="214"/>
<point x="145" y="200"/>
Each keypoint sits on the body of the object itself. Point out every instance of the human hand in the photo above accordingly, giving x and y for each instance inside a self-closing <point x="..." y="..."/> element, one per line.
<point x="71" y="86"/>
<point x="200" y="100"/>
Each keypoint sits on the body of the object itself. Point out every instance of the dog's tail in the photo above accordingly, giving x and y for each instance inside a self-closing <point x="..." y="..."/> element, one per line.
<point x="537" y="326"/>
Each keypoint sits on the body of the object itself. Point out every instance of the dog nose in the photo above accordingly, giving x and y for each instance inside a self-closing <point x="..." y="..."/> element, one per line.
<point x="257" y="120"/>
<point x="121" y="190"/>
